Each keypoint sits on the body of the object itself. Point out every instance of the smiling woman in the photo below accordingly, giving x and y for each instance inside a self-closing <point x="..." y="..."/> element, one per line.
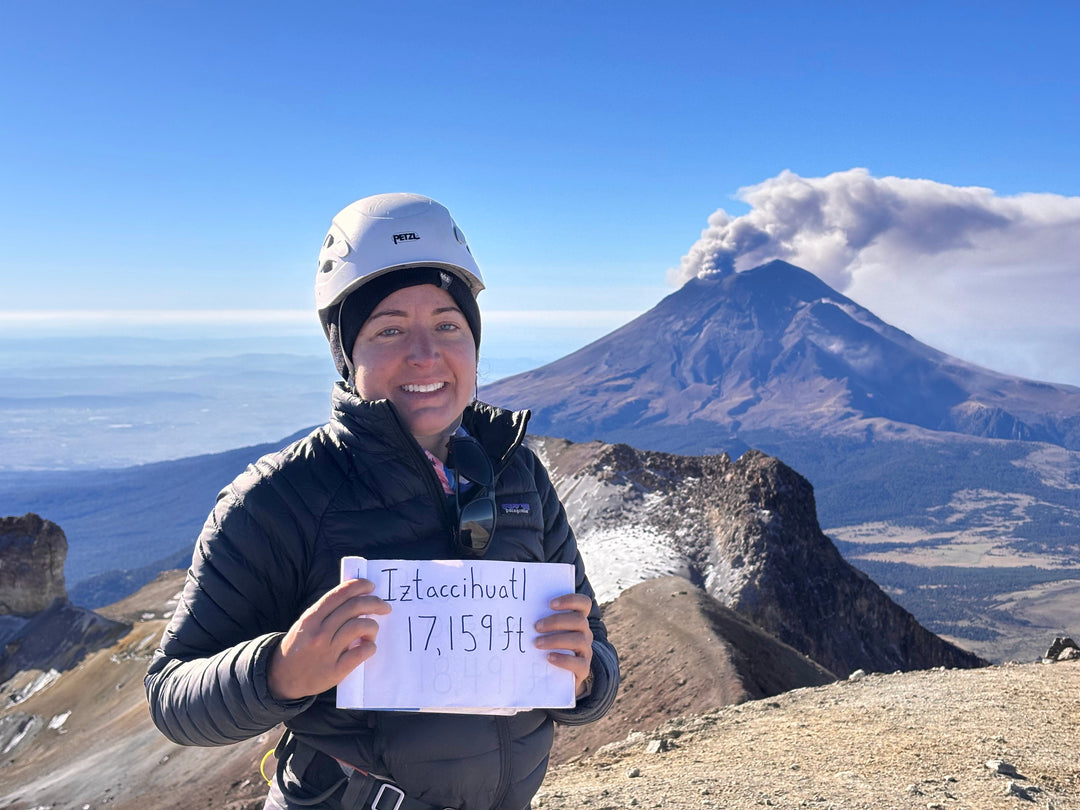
<point x="410" y="466"/>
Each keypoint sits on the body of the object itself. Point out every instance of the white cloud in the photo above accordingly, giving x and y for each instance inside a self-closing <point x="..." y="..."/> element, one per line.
<point x="977" y="274"/>
<point x="148" y="317"/>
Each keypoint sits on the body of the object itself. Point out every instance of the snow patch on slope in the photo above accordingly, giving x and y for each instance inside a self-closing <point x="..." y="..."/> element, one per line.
<point x="619" y="557"/>
<point x="57" y="723"/>
<point x="42" y="681"/>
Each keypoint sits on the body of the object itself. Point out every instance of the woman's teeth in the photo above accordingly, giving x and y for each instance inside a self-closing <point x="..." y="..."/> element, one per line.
<point x="423" y="389"/>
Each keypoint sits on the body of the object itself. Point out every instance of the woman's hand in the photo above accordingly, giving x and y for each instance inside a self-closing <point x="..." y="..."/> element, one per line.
<point x="568" y="630"/>
<point x="331" y="639"/>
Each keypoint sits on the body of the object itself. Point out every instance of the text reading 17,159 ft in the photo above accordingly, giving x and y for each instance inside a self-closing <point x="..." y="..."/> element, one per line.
<point x="467" y="632"/>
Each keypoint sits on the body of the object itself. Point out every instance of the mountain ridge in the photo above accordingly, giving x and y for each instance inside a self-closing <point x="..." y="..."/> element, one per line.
<point x="895" y="495"/>
<point x="747" y="532"/>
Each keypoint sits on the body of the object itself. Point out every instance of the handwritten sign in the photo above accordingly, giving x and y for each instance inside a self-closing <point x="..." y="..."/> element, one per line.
<point x="459" y="637"/>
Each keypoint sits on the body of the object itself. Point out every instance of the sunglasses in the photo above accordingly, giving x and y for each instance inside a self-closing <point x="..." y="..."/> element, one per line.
<point x="476" y="517"/>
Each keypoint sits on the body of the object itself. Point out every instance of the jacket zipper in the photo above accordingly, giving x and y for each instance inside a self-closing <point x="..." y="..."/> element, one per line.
<point x="427" y="471"/>
<point x="502" y="725"/>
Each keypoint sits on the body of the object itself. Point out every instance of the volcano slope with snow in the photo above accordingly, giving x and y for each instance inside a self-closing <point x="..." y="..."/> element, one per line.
<point x="957" y="488"/>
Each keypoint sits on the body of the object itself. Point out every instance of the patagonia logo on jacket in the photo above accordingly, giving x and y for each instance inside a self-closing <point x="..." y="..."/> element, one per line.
<point x="514" y="508"/>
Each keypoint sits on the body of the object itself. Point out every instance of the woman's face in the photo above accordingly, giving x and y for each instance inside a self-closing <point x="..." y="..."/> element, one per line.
<point x="417" y="351"/>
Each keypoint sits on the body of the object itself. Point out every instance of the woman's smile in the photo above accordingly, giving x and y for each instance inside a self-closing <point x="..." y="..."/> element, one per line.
<point x="422" y="389"/>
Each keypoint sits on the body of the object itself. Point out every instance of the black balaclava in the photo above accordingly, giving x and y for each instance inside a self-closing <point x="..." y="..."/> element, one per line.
<point x="358" y="306"/>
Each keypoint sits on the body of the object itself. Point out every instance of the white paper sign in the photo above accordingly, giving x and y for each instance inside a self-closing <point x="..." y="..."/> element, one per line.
<point x="459" y="637"/>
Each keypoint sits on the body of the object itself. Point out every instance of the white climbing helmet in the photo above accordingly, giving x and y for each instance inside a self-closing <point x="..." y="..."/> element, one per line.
<point x="388" y="232"/>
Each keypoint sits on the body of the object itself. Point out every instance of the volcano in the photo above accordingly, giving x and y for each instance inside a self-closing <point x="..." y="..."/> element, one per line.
<point x="723" y="363"/>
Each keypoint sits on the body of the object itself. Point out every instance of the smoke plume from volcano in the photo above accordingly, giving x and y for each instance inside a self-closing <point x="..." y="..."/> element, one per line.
<point x="944" y="262"/>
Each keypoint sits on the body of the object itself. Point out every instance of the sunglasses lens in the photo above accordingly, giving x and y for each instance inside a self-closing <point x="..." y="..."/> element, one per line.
<point x="471" y="461"/>
<point x="477" y="522"/>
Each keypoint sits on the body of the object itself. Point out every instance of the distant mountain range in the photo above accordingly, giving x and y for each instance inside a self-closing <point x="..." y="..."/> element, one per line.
<point x="125" y="526"/>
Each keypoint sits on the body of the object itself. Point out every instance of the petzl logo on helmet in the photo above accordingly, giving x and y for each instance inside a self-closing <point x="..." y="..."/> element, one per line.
<point x="405" y="237"/>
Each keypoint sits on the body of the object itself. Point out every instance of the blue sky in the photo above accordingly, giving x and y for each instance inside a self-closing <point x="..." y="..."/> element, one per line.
<point x="189" y="155"/>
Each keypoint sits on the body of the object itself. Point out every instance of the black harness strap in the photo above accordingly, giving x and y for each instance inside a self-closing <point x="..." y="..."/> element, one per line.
<point x="362" y="791"/>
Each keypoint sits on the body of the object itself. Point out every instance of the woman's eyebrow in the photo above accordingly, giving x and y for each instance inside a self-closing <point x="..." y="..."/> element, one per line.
<point x="400" y="313"/>
<point x="388" y="313"/>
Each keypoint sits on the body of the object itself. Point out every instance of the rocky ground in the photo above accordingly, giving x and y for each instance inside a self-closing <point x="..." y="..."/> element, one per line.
<point x="912" y="740"/>
<point x="908" y="740"/>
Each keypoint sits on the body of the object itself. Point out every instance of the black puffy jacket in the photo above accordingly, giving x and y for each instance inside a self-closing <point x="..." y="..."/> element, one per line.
<point x="272" y="546"/>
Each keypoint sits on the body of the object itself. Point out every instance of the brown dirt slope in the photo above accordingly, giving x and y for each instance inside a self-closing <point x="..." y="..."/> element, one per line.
<point x="681" y="650"/>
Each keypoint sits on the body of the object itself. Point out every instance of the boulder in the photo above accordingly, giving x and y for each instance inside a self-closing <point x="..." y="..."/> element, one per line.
<point x="1060" y="645"/>
<point x="32" y="554"/>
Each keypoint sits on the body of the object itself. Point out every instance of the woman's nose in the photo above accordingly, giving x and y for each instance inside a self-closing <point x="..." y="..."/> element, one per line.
<point x="422" y="348"/>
